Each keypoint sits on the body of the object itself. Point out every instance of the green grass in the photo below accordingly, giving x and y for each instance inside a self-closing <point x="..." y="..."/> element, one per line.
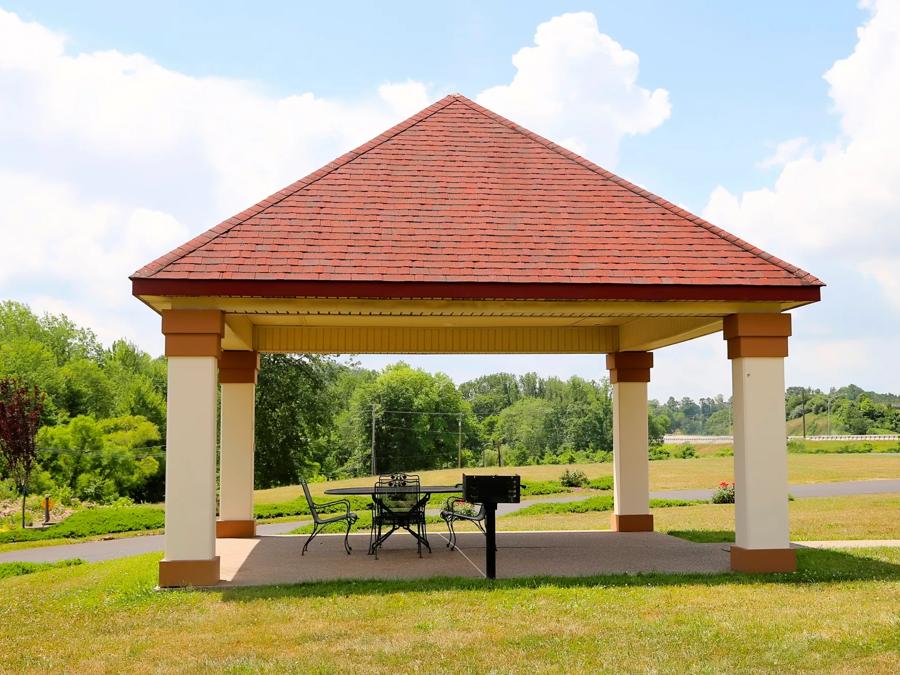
<point x="16" y="569"/>
<point x="601" y="483"/>
<point x="814" y="518"/>
<point x="93" y="522"/>
<point x="706" y="471"/>
<point x="835" y="614"/>
<point x="591" y="504"/>
<point x="534" y="488"/>
<point x="842" y="447"/>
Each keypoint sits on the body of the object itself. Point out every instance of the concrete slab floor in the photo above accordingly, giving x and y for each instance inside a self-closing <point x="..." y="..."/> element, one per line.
<point x="277" y="559"/>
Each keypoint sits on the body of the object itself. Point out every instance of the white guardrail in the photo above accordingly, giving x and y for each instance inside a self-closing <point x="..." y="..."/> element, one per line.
<point x="715" y="440"/>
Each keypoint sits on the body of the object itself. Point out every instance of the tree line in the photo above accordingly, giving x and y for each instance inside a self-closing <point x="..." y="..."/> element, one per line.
<point x="102" y="419"/>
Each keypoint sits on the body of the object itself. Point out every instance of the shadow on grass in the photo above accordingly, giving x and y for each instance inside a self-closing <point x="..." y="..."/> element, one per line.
<point x="813" y="566"/>
<point x="704" y="536"/>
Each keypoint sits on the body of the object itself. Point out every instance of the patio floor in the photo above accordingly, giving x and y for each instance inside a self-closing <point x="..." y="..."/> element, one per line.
<point x="276" y="559"/>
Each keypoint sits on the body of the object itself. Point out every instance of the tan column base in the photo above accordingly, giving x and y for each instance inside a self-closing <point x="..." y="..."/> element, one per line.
<point x="763" y="559"/>
<point x="177" y="573"/>
<point x="639" y="522"/>
<point x="235" y="529"/>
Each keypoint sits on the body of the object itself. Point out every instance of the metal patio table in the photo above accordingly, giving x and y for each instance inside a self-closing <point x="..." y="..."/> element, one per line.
<point x="428" y="490"/>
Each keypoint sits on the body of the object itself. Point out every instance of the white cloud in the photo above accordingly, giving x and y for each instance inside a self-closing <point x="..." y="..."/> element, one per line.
<point x="788" y="151"/>
<point x="835" y="211"/>
<point x="110" y="159"/>
<point x="578" y="87"/>
<point x="845" y="201"/>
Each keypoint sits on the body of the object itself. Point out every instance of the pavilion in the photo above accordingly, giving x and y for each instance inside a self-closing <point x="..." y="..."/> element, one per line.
<point x="459" y="232"/>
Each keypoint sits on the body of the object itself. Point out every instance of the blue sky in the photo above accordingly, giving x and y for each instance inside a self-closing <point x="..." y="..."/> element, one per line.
<point x="125" y="122"/>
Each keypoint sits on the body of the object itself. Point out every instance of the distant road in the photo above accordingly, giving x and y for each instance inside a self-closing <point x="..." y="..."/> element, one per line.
<point x="676" y="439"/>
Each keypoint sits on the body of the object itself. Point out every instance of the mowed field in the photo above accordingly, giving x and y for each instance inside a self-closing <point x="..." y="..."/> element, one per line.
<point x="811" y="519"/>
<point x="838" y="614"/>
<point x="670" y="474"/>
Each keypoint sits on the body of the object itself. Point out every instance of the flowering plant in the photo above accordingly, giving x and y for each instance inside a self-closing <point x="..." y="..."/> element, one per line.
<point x="724" y="494"/>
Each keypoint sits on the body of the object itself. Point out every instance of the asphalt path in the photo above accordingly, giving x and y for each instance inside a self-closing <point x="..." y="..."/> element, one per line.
<point x="95" y="551"/>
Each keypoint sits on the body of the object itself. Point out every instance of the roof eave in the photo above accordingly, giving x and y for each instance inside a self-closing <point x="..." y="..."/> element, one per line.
<point x="276" y="288"/>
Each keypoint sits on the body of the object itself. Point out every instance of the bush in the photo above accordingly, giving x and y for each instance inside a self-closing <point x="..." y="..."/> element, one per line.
<point x="93" y="522"/>
<point x="602" y="483"/>
<point x="658" y="452"/>
<point x="573" y="478"/>
<point x="794" y="445"/>
<point x="724" y="494"/>
<point x="596" y="503"/>
<point x="543" y="487"/>
<point x="686" y="451"/>
<point x="299" y="507"/>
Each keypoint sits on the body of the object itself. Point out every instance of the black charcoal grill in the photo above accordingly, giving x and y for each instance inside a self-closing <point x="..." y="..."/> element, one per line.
<point x="490" y="491"/>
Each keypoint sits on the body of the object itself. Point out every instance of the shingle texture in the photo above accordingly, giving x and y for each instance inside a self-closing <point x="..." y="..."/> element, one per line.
<point x="457" y="193"/>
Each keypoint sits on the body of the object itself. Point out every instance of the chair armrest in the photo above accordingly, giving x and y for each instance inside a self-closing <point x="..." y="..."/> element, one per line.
<point x="345" y="502"/>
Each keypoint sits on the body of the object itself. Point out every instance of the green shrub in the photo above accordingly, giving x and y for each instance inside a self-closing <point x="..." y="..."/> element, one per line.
<point x="602" y="483"/>
<point x="659" y="452"/>
<point x="725" y="452"/>
<point x="793" y="445"/>
<point x="724" y="493"/>
<point x="573" y="478"/>
<point x="93" y="522"/>
<point x="597" y="503"/>
<point x="543" y="487"/>
<point x="299" y="507"/>
<point x="686" y="451"/>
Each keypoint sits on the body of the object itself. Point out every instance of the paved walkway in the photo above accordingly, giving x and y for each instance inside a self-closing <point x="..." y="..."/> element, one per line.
<point x="252" y="562"/>
<point x="95" y="551"/>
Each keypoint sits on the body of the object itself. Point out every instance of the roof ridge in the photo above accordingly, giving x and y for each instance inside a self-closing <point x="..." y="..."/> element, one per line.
<point x="225" y="226"/>
<point x="801" y="274"/>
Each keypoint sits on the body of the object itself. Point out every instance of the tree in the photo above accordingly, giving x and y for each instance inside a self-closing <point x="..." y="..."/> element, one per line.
<point x="21" y="408"/>
<point x="103" y="460"/>
<point x="417" y="422"/>
<point x="296" y="402"/>
<point x="490" y="394"/>
<point x="524" y="428"/>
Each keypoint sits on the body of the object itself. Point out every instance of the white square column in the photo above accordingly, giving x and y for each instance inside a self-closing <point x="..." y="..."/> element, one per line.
<point x="193" y="339"/>
<point x="237" y="376"/>
<point x="757" y="346"/>
<point x="629" y="373"/>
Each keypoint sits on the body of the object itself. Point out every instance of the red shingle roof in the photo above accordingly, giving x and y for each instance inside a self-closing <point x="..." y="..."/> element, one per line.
<point x="457" y="194"/>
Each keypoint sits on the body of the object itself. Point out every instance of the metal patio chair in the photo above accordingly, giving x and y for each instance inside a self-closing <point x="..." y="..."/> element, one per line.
<point x="459" y="509"/>
<point x="398" y="503"/>
<point x="319" y="522"/>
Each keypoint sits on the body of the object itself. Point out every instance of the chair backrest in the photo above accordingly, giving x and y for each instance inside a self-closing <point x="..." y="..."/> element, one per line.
<point x="398" y="492"/>
<point x="309" y="500"/>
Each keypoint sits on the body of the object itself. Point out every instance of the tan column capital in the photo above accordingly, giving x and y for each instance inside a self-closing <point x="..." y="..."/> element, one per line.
<point x="238" y="367"/>
<point x="629" y="366"/>
<point x="193" y="332"/>
<point x="757" y="335"/>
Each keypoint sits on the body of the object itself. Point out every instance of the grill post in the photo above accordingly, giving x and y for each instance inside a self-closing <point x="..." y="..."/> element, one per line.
<point x="490" y="541"/>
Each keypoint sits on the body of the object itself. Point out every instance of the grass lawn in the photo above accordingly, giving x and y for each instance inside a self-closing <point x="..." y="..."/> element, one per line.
<point x="848" y="517"/>
<point x="669" y="474"/>
<point x="839" y="613"/>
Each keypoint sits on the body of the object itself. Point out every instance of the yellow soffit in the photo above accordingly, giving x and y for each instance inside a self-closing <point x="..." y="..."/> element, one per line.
<point x="407" y="340"/>
<point x="413" y="307"/>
